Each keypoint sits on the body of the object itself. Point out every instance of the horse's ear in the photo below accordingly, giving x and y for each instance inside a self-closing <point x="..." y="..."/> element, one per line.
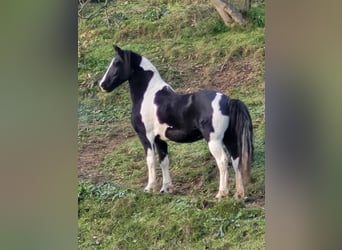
<point x="118" y="50"/>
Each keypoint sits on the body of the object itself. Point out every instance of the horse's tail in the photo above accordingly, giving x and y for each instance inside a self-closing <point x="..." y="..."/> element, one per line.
<point x="240" y="124"/>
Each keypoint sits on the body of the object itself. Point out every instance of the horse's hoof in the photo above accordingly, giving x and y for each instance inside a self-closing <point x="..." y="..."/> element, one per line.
<point x="218" y="198"/>
<point x="166" y="189"/>
<point x="221" y="194"/>
<point x="239" y="196"/>
<point x="147" y="190"/>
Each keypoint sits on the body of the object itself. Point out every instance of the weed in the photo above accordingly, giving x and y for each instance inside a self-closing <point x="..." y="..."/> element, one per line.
<point x="256" y="14"/>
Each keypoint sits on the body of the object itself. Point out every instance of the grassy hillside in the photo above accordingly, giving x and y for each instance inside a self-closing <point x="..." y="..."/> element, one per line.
<point x="192" y="49"/>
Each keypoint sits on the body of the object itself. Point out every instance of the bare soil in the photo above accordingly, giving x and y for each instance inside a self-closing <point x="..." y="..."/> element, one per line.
<point x="230" y="74"/>
<point x="91" y="155"/>
<point x="93" y="152"/>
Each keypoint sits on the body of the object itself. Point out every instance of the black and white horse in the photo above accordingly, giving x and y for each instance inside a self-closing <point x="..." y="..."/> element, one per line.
<point x="160" y="114"/>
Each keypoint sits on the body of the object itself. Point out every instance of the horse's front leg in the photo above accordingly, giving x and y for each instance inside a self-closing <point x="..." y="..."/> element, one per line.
<point x="164" y="164"/>
<point x="151" y="165"/>
<point x="150" y="159"/>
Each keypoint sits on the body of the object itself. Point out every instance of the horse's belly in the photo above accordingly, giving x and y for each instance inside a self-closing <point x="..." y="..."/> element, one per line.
<point x="181" y="135"/>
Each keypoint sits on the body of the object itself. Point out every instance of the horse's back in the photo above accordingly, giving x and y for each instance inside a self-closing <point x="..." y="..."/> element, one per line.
<point x="204" y="101"/>
<point x="184" y="110"/>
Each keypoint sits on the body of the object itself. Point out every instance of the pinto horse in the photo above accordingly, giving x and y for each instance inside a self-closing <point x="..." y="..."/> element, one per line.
<point x="160" y="114"/>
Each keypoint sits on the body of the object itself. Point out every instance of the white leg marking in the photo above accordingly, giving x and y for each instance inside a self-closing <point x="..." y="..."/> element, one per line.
<point x="151" y="171"/>
<point x="216" y="149"/>
<point x="240" y="192"/>
<point x="167" y="183"/>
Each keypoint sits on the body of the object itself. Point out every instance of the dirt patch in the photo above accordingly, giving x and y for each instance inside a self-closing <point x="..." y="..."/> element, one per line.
<point x="93" y="152"/>
<point x="223" y="77"/>
<point x="234" y="73"/>
<point x="89" y="158"/>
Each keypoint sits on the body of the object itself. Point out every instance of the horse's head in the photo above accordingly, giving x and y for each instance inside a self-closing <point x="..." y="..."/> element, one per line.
<point x="119" y="70"/>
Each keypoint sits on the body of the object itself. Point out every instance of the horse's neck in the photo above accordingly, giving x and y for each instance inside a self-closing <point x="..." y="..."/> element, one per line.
<point x="150" y="82"/>
<point x="156" y="80"/>
<point x="147" y="65"/>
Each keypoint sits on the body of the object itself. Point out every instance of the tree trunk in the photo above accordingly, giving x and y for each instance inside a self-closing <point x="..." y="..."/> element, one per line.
<point x="228" y="13"/>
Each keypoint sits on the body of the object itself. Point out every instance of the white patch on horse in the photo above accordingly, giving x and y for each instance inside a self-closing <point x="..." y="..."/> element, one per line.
<point x="219" y="121"/>
<point x="148" y="107"/>
<point x="147" y="65"/>
<point x="105" y="75"/>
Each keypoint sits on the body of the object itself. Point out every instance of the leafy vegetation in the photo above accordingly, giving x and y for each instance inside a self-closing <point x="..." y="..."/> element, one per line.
<point x="257" y="14"/>
<point x="192" y="49"/>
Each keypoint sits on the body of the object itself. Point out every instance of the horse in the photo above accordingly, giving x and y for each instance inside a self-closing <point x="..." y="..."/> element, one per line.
<point x="160" y="114"/>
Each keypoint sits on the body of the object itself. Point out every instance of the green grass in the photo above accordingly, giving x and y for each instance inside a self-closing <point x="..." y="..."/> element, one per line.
<point x="178" y="37"/>
<point x="117" y="218"/>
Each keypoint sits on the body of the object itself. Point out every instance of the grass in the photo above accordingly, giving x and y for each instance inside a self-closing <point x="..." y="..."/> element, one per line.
<point x="189" y="44"/>
<point x="116" y="218"/>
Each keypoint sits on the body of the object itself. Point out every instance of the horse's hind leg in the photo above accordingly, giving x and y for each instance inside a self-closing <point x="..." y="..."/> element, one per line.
<point x="217" y="150"/>
<point x="231" y="145"/>
<point x="164" y="164"/>
<point x="240" y="191"/>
